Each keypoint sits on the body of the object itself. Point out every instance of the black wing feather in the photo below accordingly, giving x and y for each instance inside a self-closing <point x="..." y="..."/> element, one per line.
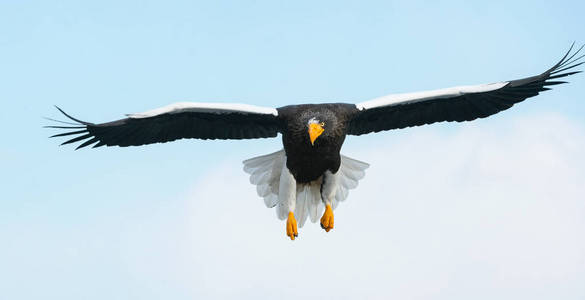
<point x="464" y="107"/>
<point x="169" y="127"/>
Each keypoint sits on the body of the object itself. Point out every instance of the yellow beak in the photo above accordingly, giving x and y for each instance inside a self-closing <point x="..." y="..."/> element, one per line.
<point x="315" y="130"/>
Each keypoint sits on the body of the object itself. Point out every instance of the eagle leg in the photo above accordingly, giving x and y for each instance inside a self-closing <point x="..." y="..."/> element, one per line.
<point x="328" y="189"/>
<point x="287" y="198"/>
<point x="327" y="218"/>
<point x="291" y="226"/>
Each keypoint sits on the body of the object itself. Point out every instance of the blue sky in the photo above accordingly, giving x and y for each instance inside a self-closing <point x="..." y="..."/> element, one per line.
<point x="180" y="220"/>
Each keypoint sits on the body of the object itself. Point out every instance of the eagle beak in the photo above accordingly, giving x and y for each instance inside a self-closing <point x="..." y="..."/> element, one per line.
<point x="315" y="130"/>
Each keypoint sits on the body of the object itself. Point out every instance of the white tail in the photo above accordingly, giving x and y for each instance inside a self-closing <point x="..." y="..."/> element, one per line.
<point x="265" y="174"/>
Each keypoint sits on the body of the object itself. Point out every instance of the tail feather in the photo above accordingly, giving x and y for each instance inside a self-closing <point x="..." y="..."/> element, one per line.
<point x="259" y="178"/>
<point x="263" y="190"/>
<point x="271" y="200"/>
<point x="255" y="163"/>
<point x="265" y="174"/>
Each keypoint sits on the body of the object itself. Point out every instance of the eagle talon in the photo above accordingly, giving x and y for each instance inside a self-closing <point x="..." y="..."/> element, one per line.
<point x="327" y="218"/>
<point x="291" y="226"/>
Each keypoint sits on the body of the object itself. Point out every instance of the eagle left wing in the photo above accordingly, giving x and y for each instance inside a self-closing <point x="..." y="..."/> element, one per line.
<point x="464" y="103"/>
<point x="176" y="121"/>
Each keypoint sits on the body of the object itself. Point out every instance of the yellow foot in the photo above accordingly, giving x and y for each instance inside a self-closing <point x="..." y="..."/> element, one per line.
<point x="291" y="226"/>
<point x="327" y="218"/>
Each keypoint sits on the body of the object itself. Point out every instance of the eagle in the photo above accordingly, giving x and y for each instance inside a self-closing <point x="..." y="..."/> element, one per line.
<point x="309" y="176"/>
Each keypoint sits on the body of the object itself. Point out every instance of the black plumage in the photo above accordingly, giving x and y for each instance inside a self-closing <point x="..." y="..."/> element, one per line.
<point x="308" y="162"/>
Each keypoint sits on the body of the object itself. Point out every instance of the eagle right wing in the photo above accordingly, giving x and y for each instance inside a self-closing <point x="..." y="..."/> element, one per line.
<point x="464" y="103"/>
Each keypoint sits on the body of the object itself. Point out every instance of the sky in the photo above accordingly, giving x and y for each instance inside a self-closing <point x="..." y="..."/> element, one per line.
<point x="487" y="209"/>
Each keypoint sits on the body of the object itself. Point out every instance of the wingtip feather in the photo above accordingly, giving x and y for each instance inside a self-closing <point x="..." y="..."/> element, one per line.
<point x="76" y="139"/>
<point x="70" y="117"/>
<point x="87" y="143"/>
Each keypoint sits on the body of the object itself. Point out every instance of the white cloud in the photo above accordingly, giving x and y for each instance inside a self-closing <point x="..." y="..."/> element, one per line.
<point x="490" y="210"/>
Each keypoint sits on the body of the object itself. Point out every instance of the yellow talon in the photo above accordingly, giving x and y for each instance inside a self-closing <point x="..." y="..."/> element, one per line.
<point x="327" y="218"/>
<point x="291" y="226"/>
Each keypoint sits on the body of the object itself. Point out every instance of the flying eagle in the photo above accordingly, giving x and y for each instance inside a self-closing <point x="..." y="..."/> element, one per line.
<point x="310" y="174"/>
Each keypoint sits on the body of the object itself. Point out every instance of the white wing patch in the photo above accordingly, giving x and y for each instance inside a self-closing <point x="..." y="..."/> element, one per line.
<point x="265" y="172"/>
<point x="218" y="108"/>
<point x="396" y="99"/>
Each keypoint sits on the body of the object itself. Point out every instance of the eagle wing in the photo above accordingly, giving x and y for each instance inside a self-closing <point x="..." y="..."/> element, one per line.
<point x="176" y="121"/>
<point x="464" y="103"/>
